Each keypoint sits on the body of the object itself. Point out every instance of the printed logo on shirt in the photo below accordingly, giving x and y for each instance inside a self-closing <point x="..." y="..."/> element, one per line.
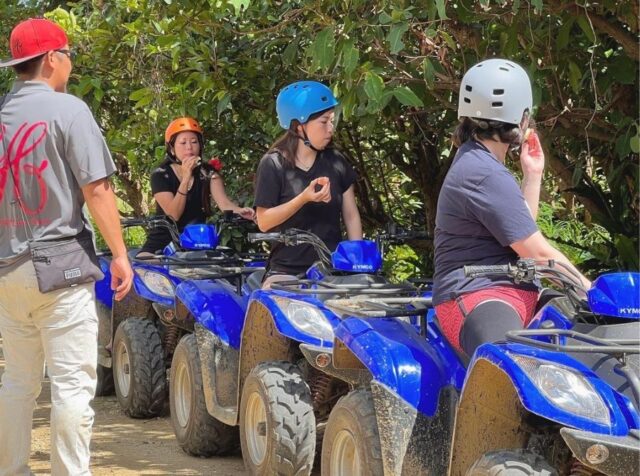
<point x="26" y="139"/>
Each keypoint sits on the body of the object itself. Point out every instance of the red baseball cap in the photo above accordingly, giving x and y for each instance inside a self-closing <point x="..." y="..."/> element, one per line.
<point x="34" y="37"/>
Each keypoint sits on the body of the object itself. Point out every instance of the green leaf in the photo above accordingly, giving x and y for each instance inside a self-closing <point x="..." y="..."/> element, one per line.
<point x="584" y="24"/>
<point x="448" y="40"/>
<point x="407" y="97"/>
<point x="139" y="94"/>
<point x="537" y="4"/>
<point x="290" y="52"/>
<point x="373" y="86"/>
<point x="384" y="18"/>
<point x="238" y="5"/>
<point x="628" y="251"/>
<point x="575" y="77"/>
<point x="144" y="101"/>
<point x="564" y="32"/>
<point x="98" y="94"/>
<point x="429" y="71"/>
<point x="442" y="10"/>
<point x="395" y="37"/>
<point x="386" y="98"/>
<point x="349" y="103"/>
<point x="634" y="143"/>
<point x="323" y="49"/>
<point x="350" y="58"/>
<point x="223" y="103"/>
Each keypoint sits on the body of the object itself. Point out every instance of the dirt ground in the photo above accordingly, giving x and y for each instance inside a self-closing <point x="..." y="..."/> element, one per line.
<point x="124" y="446"/>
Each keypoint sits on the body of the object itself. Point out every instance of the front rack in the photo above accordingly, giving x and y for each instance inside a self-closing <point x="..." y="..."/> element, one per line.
<point x="311" y="286"/>
<point x="380" y="307"/>
<point x="617" y="347"/>
<point x="220" y="259"/>
<point x="212" y="272"/>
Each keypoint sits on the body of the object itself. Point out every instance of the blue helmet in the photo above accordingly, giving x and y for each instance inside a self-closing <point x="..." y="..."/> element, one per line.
<point x="301" y="99"/>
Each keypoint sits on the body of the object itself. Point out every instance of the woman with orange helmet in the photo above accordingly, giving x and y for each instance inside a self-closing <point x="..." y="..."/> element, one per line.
<point x="183" y="184"/>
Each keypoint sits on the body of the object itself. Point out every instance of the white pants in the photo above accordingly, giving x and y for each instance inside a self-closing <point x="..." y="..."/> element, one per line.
<point x="60" y="327"/>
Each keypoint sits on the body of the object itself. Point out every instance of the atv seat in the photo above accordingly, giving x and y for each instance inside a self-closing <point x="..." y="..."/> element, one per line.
<point x="132" y="253"/>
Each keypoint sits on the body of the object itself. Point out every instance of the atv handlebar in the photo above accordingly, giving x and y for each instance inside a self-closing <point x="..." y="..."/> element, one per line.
<point x="293" y="237"/>
<point x="528" y="270"/>
<point x="489" y="270"/>
<point x="402" y="236"/>
<point x="255" y="237"/>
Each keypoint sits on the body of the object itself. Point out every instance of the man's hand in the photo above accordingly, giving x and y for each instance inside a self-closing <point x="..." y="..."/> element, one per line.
<point x="121" y="276"/>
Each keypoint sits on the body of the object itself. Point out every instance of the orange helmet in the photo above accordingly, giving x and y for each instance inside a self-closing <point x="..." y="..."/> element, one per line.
<point x="181" y="124"/>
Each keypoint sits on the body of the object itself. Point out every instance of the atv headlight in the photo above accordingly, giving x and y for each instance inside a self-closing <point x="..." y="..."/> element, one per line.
<point x="565" y="388"/>
<point x="156" y="282"/>
<point x="306" y="318"/>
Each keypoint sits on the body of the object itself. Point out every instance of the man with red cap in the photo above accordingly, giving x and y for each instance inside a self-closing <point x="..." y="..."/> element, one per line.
<point x="53" y="160"/>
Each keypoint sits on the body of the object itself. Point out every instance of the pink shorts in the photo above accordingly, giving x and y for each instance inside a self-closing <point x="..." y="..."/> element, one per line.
<point x="451" y="317"/>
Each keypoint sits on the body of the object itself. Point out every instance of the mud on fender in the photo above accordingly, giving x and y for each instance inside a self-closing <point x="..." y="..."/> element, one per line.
<point x="411" y="442"/>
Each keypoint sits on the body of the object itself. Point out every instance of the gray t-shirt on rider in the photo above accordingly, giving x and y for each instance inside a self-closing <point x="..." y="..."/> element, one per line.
<point x="481" y="212"/>
<point x="53" y="146"/>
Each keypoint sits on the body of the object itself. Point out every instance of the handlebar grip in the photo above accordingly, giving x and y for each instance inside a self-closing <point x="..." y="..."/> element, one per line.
<point x="488" y="270"/>
<point x="253" y="237"/>
<point x="132" y="221"/>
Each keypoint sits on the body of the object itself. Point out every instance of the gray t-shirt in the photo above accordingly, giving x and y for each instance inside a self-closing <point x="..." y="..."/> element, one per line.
<point x="52" y="146"/>
<point x="481" y="212"/>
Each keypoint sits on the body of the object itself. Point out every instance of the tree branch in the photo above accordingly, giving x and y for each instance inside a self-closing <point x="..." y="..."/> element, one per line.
<point x="628" y="43"/>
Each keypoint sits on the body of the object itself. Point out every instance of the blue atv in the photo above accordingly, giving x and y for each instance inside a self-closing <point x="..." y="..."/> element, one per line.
<point x="267" y="374"/>
<point x="138" y="335"/>
<point x="560" y="397"/>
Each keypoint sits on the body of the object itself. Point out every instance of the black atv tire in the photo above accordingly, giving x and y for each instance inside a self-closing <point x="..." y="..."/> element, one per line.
<point x="105" y="385"/>
<point x="352" y="431"/>
<point x="197" y="432"/>
<point x="288" y="448"/>
<point x="511" y="463"/>
<point x="139" y="369"/>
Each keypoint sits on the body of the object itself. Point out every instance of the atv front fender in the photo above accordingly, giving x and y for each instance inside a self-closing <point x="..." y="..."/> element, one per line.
<point x="216" y="307"/>
<point x="401" y="359"/>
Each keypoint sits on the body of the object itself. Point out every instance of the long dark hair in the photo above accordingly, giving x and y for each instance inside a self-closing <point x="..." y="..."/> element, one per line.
<point x="202" y="172"/>
<point x="471" y="128"/>
<point x="287" y="144"/>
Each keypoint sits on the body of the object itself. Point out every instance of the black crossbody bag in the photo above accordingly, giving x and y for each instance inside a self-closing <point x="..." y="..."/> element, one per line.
<point x="63" y="262"/>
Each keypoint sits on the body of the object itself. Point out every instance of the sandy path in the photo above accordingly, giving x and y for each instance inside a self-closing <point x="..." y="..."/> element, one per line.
<point x="124" y="446"/>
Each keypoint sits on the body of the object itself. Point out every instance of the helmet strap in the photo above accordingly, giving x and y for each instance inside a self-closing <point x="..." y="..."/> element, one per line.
<point x="305" y="140"/>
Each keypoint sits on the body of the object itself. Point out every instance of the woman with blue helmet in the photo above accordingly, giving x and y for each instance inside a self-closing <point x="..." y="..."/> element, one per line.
<point x="303" y="181"/>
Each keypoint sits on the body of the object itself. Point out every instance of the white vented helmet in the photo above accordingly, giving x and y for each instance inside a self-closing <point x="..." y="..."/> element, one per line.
<point x="496" y="90"/>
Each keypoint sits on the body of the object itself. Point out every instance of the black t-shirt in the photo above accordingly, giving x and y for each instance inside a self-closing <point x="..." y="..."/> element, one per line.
<point x="164" y="179"/>
<point x="481" y="212"/>
<point x="278" y="183"/>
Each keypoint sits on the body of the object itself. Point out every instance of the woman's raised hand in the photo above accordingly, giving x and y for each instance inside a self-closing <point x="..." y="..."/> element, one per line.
<point x="314" y="194"/>
<point x="531" y="155"/>
<point x="187" y="166"/>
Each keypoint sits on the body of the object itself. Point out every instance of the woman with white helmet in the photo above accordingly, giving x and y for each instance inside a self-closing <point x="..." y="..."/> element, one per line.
<point x="484" y="217"/>
<point x="183" y="184"/>
<point x="303" y="181"/>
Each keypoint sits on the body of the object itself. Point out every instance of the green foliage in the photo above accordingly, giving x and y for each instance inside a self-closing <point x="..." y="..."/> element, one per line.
<point x="395" y="67"/>
<point x="401" y="262"/>
<point x="584" y="245"/>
